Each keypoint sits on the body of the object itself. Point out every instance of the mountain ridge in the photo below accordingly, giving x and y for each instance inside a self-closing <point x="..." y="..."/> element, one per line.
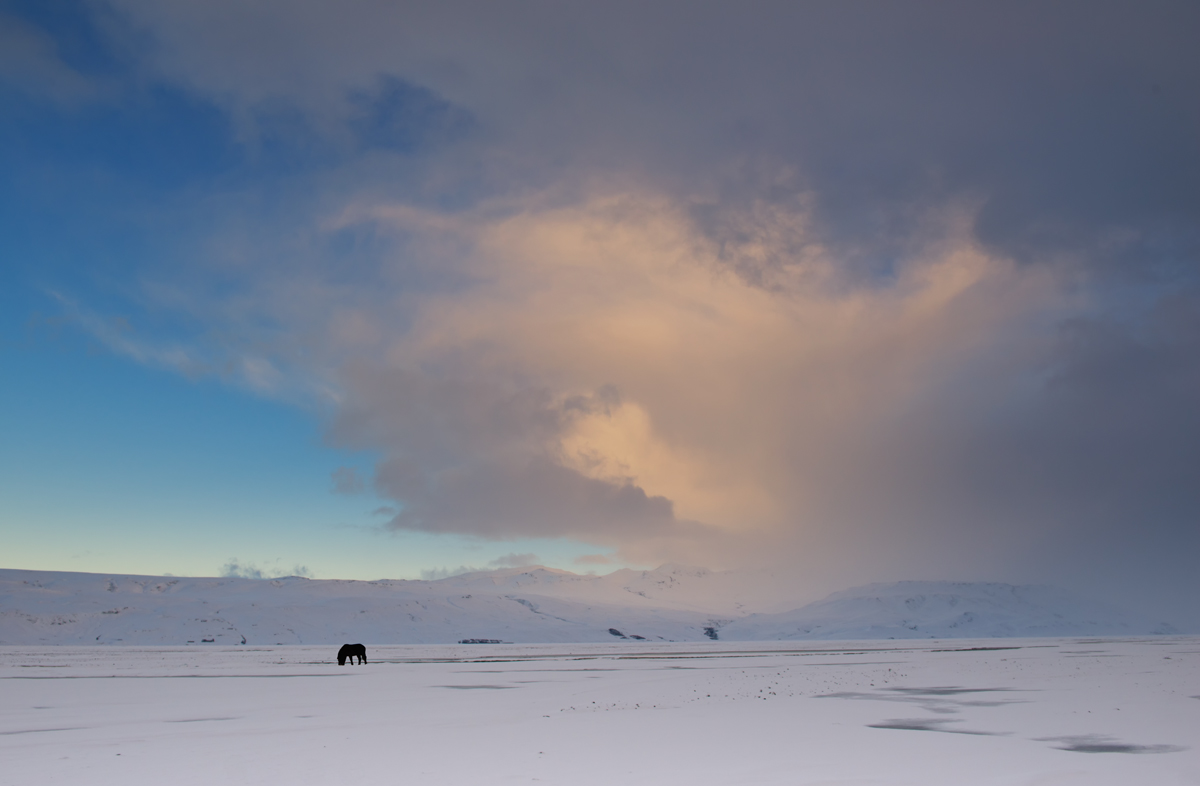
<point x="525" y="605"/>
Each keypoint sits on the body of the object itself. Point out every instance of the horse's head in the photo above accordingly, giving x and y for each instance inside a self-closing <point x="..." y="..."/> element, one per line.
<point x="341" y="660"/>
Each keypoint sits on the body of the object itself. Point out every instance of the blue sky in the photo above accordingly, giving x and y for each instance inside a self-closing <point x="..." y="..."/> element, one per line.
<point x="114" y="465"/>
<point x="858" y="292"/>
<point x="110" y="466"/>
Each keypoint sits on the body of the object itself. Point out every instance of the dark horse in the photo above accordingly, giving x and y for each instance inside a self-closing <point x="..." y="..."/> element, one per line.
<point x="352" y="651"/>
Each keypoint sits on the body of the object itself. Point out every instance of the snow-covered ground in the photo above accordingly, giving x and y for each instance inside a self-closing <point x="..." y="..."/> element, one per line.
<point x="526" y="605"/>
<point x="1009" y="711"/>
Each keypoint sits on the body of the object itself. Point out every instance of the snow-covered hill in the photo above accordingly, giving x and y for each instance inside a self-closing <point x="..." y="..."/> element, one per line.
<point x="522" y="605"/>
<point x="941" y="610"/>
<point x="84" y="608"/>
<point x="683" y="588"/>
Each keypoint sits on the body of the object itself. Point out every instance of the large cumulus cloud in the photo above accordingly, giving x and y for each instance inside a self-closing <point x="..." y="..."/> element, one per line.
<point x="872" y="288"/>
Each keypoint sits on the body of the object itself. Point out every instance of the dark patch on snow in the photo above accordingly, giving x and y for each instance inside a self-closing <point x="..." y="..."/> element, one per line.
<point x="201" y="720"/>
<point x="930" y="724"/>
<point x="38" y="731"/>
<point x="711" y="633"/>
<point x="841" y="664"/>
<point x="476" y="687"/>
<point x="617" y="633"/>
<point x="1100" y="743"/>
<point x="941" y="700"/>
<point x="945" y="691"/>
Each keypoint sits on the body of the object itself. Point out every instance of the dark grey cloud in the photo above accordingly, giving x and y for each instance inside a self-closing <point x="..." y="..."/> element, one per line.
<point x="1072" y="122"/>
<point x="1083" y="468"/>
<point x="538" y="499"/>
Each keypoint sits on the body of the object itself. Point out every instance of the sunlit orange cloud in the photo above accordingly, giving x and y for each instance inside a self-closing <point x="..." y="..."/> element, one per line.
<point x="741" y="380"/>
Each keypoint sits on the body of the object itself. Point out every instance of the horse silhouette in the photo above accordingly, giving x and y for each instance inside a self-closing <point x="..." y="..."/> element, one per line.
<point x="352" y="651"/>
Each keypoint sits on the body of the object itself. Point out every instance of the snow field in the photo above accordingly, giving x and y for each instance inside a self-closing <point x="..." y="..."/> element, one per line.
<point x="1032" y="711"/>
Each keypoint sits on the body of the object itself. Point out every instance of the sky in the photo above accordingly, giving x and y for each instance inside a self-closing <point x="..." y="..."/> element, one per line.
<point x="855" y="291"/>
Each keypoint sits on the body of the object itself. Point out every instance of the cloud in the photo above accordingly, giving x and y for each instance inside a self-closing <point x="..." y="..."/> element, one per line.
<point x="620" y="371"/>
<point x="871" y="290"/>
<point x="247" y="370"/>
<point x="615" y="374"/>
<point x="514" y="560"/>
<point x="347" y="481"/>
<point x="511" y="560"/>
<point x="437" y="574"/>
<point x="234" y="568"/>
<point x="873" y="105"/>
<point x="30" y="62"/>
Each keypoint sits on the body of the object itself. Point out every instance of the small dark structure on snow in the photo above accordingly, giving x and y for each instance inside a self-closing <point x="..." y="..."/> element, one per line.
<point x="352" y="651"/>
